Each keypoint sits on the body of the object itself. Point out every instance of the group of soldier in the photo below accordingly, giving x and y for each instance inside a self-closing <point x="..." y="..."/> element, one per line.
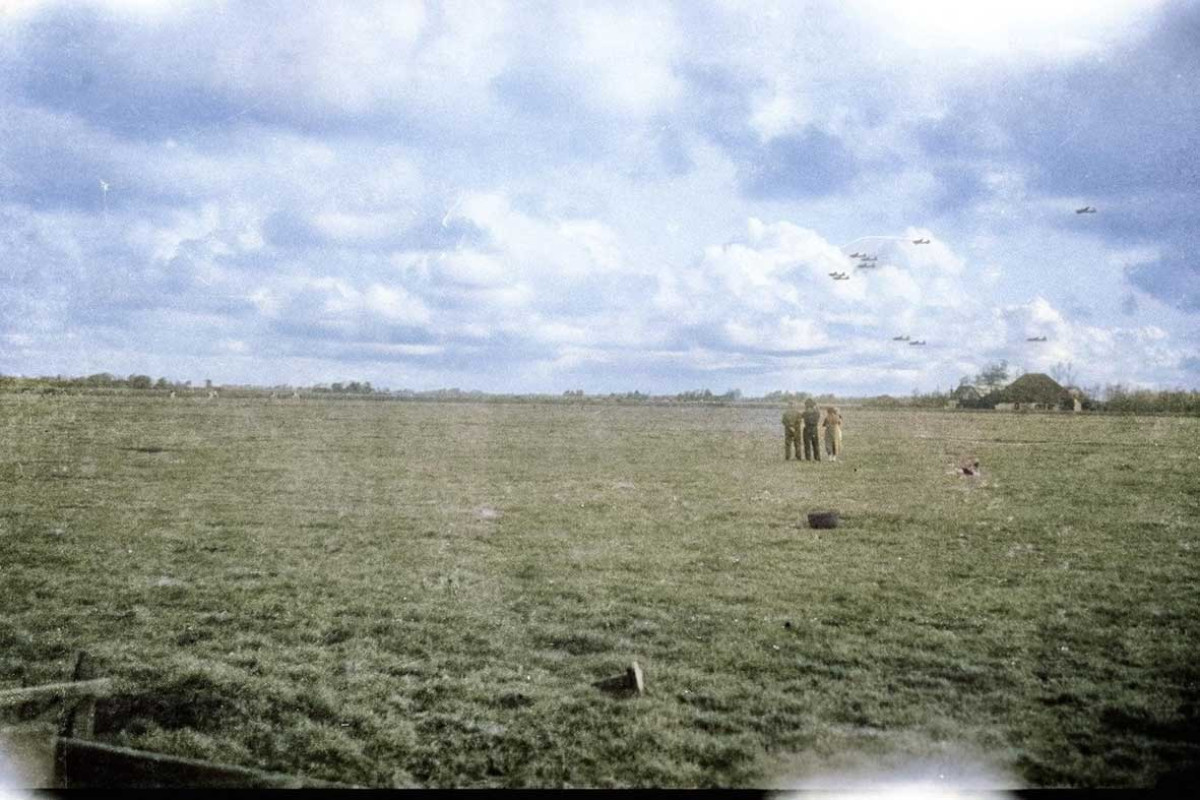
<point x="801" y="432"/>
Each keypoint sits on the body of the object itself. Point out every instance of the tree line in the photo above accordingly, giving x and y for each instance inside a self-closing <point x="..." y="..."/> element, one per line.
<point x="1116" y="398"/>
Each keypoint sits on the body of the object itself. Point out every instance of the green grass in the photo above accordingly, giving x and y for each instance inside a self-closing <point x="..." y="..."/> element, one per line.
<point x="422" y="594"/>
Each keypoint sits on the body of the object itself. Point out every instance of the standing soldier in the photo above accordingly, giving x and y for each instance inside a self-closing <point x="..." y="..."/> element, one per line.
<point x="812" y="434"/>
<point x="833" y="432"/>
<point x="793" y="422"/>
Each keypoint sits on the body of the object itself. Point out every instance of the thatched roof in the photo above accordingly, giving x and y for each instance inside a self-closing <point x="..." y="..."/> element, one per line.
<point x="1034" y="387"/>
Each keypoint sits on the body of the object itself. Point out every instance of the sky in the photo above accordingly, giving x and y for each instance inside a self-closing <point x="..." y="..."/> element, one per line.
<point x="607" y="196"/>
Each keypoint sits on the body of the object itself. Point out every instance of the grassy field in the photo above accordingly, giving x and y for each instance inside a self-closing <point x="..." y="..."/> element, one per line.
<point x="422" y="594"/>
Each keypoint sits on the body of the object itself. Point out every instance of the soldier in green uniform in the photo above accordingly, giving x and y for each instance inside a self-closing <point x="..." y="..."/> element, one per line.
<point x="812" y="422"/>
<point x="793" y="423"/>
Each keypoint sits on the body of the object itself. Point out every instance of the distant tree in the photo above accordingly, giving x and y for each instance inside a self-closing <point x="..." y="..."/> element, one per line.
<point x="140" y="382"/>
<point x="162" y="383"/>
<point x="1064" y="373"/>
<point x="994" y="374"/>
<point x="882" y="401"/>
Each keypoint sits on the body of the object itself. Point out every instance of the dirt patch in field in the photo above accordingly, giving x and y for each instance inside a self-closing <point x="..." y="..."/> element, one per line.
<point x="487" y="513"/>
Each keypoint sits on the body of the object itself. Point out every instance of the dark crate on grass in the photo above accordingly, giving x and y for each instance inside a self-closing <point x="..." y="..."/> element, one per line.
<point x="823" y="519"/>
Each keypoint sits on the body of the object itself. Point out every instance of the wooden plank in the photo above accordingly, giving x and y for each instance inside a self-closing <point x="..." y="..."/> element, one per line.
<point x="92" y="764"/>
<point x="100" y="687"/>
<point x="79" y="717"/>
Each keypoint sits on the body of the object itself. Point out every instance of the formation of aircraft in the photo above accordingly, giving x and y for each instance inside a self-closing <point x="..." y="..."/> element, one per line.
<point x="868" y="262"/>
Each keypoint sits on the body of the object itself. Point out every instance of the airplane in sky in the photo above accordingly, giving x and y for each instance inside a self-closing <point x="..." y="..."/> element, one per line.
<point x="916" y="343"/>
<point x="1086" y="210"/>
<point x="920" y="241"/>
<point x="1036" y="339"/>
<point x="868" y="258"/>
<point x="841" y="276"/>
<point x="900" y="338"/>
<point x="866" y="265"/>
<point x="858" y="255"/>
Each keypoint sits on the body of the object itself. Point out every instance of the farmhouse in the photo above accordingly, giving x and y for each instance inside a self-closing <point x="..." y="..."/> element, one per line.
<point x="1034" y="390"/>
<point x="968" y="395"/>
<point x="966" y="392"/>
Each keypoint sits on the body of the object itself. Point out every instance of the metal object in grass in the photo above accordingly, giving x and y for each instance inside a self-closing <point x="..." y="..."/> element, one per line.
<point x="632" y="681"/>
<point x="823" y="519"/>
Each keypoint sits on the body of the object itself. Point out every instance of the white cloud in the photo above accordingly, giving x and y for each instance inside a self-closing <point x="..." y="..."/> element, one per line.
<point x="551" y="252"/>
<point x="1030" y="29"/>
<point x="367" y="59"/>
<point x="788" y="333"/>
<point x="356" y="227"/>
<point x="472" y="268"/>
<point x="395" y="305"/>
<point x="625" y="55"/>
<point x="337" y="304"/>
